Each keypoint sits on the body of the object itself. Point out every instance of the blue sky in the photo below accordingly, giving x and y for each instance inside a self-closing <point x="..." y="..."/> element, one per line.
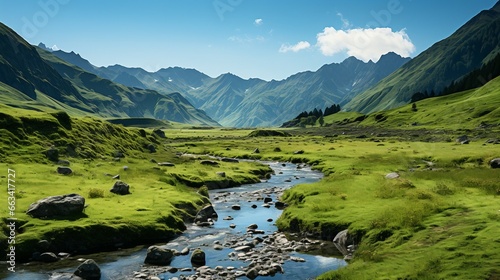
<point x="268" y="39"/>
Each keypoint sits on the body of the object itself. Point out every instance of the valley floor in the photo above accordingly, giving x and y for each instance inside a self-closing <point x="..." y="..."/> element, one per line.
<point x="438" y="220"/>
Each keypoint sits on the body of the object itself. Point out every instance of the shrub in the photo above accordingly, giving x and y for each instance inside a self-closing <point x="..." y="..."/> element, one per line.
<point x="443" y="189"/>
<point x="96" y="193"/>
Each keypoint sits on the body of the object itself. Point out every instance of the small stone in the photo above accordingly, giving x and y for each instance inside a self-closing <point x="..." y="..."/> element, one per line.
<point x="165" y="164"/>
<point x="253" y="226"/>
<point x="48" y="257"/>
<point x="236" y="207"/>
<point x="392" y="175"/>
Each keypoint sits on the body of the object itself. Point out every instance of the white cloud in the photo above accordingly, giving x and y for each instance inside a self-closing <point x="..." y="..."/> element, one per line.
<point x="302" y="45"/>
<point x="364" y="44"/>
<point x="258" y="21"/>
<point x="345" y="22"/>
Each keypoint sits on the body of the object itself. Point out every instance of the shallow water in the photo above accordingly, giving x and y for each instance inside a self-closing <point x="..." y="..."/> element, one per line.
<point x="122" y="264"/>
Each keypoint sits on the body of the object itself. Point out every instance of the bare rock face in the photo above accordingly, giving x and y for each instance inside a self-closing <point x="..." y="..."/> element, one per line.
<point x="57" y="206"/>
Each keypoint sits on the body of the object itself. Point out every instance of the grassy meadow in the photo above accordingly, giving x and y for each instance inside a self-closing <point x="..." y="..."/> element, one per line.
<point x="162" y="197"/>
<point x="439" y="220"/>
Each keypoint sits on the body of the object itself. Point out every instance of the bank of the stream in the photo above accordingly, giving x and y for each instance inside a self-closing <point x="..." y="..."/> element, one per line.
<point x="270" y="250"/>
<point x="435" y="217"/>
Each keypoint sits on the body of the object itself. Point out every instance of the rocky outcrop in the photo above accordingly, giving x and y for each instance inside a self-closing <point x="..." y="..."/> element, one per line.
<point x="57" y="206"/>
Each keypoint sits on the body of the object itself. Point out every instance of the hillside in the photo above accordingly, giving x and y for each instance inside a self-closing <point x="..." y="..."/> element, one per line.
<point x="471" y="46"/>
<point x="33" y="78"/>
<point x="469" y="109"/>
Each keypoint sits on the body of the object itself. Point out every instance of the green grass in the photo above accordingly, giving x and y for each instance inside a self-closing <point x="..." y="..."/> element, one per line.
<point x="428" y="224"/>
<point x="161" y="198"/>
<point x="439" y="220"/>
<point x="467" y="109"/>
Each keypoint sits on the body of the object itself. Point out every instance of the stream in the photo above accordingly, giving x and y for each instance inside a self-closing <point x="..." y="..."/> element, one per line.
<point x="129" y="263"/>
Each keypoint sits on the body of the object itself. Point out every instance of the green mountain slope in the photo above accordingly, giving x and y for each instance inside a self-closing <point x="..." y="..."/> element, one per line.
<point x="472" y="45"/>
<point x="117" y="100"/>
<point x="474" y="108"/>
<point x="33" y="78"/>
<point x="234" y="101"/>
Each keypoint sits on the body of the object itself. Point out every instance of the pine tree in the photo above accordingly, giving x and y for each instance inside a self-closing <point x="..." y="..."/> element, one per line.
<point x="321" y="121"/>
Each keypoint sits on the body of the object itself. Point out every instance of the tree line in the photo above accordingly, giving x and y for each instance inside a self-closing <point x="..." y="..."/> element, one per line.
<point x="310" y="118"/>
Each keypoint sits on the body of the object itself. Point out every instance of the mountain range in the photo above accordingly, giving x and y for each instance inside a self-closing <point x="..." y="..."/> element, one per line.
<point x="238" y="102"/>
<point x="445" y="62"/>
<point x="39" y="78"/>
<point x="36" y="79"/>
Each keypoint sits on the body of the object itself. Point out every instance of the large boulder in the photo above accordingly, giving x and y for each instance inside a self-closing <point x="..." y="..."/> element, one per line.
<point x="54" y="206"/>
<point x="158" y="255"/>
<point x="198" y="257"/>
<point x="120" y="188"/>
<point x="64" y="170"/>
<point x="88" y="270"/>
<point x="207" y="212"/>
<point x="495" y="163"/>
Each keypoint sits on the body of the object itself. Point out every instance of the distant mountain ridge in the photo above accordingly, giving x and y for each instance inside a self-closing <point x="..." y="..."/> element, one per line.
<point x="34" y="78"/>
<point x="233" y="101"/>
<point x="447" y="61"/>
